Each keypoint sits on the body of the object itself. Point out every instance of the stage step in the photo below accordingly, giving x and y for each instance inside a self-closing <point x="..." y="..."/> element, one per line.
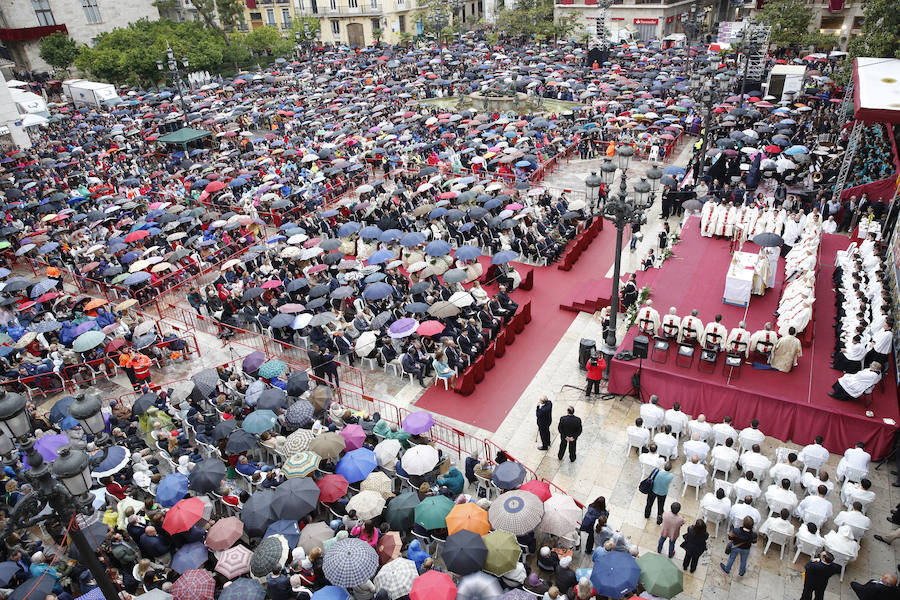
<point x="588" y="296"/>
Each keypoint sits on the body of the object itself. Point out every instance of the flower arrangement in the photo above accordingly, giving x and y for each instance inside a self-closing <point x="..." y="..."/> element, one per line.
<point x="632" y="311"/>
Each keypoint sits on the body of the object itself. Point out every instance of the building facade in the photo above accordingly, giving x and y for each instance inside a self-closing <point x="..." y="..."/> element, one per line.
<point x="268" y="13"/>
<point x="24" y="22"/>
<point x="646" y="20"/>
<point x="839" y="18"/>
<point x="179" y="10"/>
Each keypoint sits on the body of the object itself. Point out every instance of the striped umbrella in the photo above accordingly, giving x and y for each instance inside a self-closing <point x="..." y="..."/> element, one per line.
<point x="378" y="481"/>
<point x="196" y="584"/>
<point x="367" y="504"/>
<point x="350" y="562"/>
<point x="301" y="464"/>
<point x="396" y="577"/>
<point x="270" y="553"/>
<point x="298" y="441"/>
<point x="234" y="562"/>
<point x="517" y="512"/>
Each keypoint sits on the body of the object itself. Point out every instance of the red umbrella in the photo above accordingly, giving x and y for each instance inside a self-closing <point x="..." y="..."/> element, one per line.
<point x="137" y="235"/>
<point x="214" y="186"/>
<point x="772" y="149"/>
<point x="430" y="327"/>
<point x="331" y="487"/>
<point x="541" y="489"/>
<point x="114" y="345"/>
<point x="183" y="515"/>
<point x="433" y="585"/>
<point x="196" y="584"/>
<point x="47" y="296"/>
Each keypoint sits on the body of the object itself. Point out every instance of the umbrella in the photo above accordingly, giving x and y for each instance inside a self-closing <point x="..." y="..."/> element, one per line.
<point x="272" y="368"/>
<point x="468" y="516"/>
<point x="403" y="327"/>
<point x="253" y="361"/>
<point x="223" y="429"/>
<point x="183" y="515"/>
<point x="88" y="340"/>
<point x="287" y="529"/>
<point x="378" y="481"/>
<point x="367" y="504"/>
<point x="420" y="459"/>
<point x="508" y="475"/>
<point x="259" y="421"/>
<point x="48" y="445"/>
<point x="295" y="498"/>
<point x="433" y="585"/>
<point x="94" y="533"/>
<point x="478" y="586"/>
<point x="190" y="556"/>
<point x="504" y="256"/>
<point x="396" y="577"/>
<point x="300" y="413"/>
<point x="431" y="513"/>
<point x="768" y="240"/>
<point x="171" y="489"/>
<point x="517" y="512"/>
<point x="561" y="515"/>
<point x="350" y="562"/>
<point x="298" y="441"/>
<point x="35" y="588"/>
<point x="298" y="383"/>
<point x="271" y="552"/>
<point x="331" y="592"/>
<point x="224" y="533"/>
<point x="328" y="445"/>
<point x="196" y="584"/>
<point x="660" y="576"/>
<point x="401" y="510"/>
<point x="503" y="552"/>
<point x="314" y="535"/>
<point x="301" y="464"/>
<point x="270" y="399"/>
<point x="356" y="465"/>
<point x="354" y="436"/>
<point x="7" y="570"/>
<point x="115" y="460"/>
<point x="539" y="488"/>
<point x="332" y="487"/>
<point x="257" y="513"/>
<point x="206" y="476"/>
<point x="389" y="546"/>
<point x="154" y="594"/>
<point x="418" y="422"/>
<point x="243" y="589"/>
<point x="205" y="382"/>
<point x="240" y="441"/>
<point x="615" y="574"/>
<point x="386" y="451"/>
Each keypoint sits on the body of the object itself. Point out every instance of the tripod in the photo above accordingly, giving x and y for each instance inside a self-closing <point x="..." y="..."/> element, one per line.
<point x="636" y="389"/>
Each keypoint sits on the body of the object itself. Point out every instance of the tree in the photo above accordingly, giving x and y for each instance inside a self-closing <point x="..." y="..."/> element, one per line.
<point x="532" y="18"/>
<point x="221" y="16"/>
<point x="307" y="27"/>
<point x="880" y="36"/>
<point x="268" y="40"/>
<point x="789" y="20"/>
<point x="59" y="50"/>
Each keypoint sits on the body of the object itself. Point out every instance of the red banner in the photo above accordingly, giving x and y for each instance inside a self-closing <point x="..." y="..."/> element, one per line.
<point x="835" y="5"/>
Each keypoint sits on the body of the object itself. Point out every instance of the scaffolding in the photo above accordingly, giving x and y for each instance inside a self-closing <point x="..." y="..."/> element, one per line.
<point x="850" y="151"/>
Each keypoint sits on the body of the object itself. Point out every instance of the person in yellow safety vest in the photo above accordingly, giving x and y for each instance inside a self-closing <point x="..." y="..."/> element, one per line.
<point x="141" y="365"/>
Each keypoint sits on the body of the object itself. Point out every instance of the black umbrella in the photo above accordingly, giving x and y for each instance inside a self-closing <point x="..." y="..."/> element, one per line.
<point x="240" y="441"/>
<point x="295" y="498"/>
<point x="94" y="533"/>
<point x="419" y="287"/>
<point x="271" y="399"/>
<point x="33" y="589"/>
<point x="298" y="383"/>
<point x="7" y="570"/>
<point x="206" y="476"/>
<point x="223" y="429"/>
<point x="318" y="291"/>
<point x="251" y="293"/>
<point x="257" y="513"/>
<point x="768" y="240"/>
<point x="143" y="403"/>
<point x="205" y="382"/>
<point x="281" y="320"/>
<point x="464" y="552"/>
<point x="381" y="319"/>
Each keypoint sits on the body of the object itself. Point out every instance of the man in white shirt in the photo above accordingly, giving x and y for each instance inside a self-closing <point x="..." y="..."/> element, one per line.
<point x="671" y="323"/>
<point x="786" y="470"/>
<point x="648" y="318"/>
<point x="809" y="534"/>
<point x="856" y="458"/>
<point x="842" y="542"/>
<point x="882" y="340"/>
<point x="814" y="454"/>
<point x="638" y="433"/>
<point x="691" y="328"/>
<point x="723" y="431"/>
<point x="651" y="458"/>
<point x="811" y="483"/>
<point x="818" y="505"/>
<point x="666" y="442"/>
<point x="744" y="508"/>
<point x="695" y="469"/>
<point x="857" y="492"/>
<point x="677" y="419"/>
<point x="695" y="448"/>
<point x="851" y="386"/>
<point x="854" y="518"/>
<point x="717" y="503"/>
<point x="763" y="338"/>
<point x="781" y="496"/>
<point x="747" y="486"/>
<point x="701" y="428"/>
<point x="751" y="435"/>
<point x="779" y="523"/>
<point x="715" y="334"/>
<point x="725" y="456"/>
<point x="652" y="414"/>
<point x="755" y="462"/>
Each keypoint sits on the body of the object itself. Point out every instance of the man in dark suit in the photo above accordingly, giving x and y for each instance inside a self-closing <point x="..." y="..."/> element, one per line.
<point x="411" y="365"/>
<point x="886" y="589"/>
<point x="453" y="355"/>
<point x="818" y="571"/>
<point x="152" y="545"/>
<point x="330" y="368"/>
<point x="315" y="361"/>
<point x="278" y="585"/>
<point x="544" y="414"/>
<point x="569" y="429"/>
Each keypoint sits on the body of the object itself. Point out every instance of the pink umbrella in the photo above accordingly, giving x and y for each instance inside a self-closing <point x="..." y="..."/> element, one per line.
<point x="354" y="436"/>
<point x="271" y="284"/>
<point x="234" y="561"/>
<point x="430" y="327"/>
<point x="514" y="206"/>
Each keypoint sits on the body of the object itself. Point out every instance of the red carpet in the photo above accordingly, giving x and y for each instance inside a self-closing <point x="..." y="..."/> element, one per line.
<point x="502" y="386"/>
<point x="790" y="406"/>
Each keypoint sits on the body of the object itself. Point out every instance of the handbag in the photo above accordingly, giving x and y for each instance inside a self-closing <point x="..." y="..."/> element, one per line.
<point x="728" y="547"/>
<point x="646" y="486"/>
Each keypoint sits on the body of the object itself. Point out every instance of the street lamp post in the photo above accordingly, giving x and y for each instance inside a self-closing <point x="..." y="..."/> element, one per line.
<point x="64" y="486"/>
<point x="175" y="71"/>
<point x="592" y="185"/>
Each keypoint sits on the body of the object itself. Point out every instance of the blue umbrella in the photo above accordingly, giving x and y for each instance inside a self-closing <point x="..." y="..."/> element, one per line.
<point x="377" y="291"/>
<point x="356" y="465"/>
<point x="190" y="556"/>
<point x="350" y="562"/>
<point x="390" y="235"/>
<point x="437" y="248"/>
<point x="673" y="170"/>
<point x="380" y="256"/>
<point x="794" y="150"/>
<point x="504" y="256"/>
<point x="60" y="410"/>
<point x="115" y="460"/>
<point x="243" y="589"/>
<point x="468" y="252"/>
<point x="413" y="238"/>
<point x="615" y="574"/>
<point x="437" y="212"/>
<point x="287" y="528"/>
<point x="171" y="489"/>
<point x="135" y="278"/>
<point x="490" y="204"/>
<point x="370" y="232"/>
<point x="417" y="307"/>
<point x="331" y="592"/>
<point x="348" y="229"/>
<point x="7" y="570"/>
<point x="259" y="421"/>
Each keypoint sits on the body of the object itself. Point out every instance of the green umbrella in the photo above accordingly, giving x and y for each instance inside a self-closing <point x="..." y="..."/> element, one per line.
<point x="272" y="368"/>
<point x="503" y="552"/>
<point x="88" y="340"/>
<point x="431" y="513"/>
<point x="401" y="511"/>
<point x="120" y="277"/>
<point x="259" y="421"/>
<point x="660" y="576"/>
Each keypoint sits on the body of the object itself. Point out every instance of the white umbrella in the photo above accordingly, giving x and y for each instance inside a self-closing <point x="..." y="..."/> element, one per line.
<point x="368" y="504"/>
<point x="365" y="343"/>
<point x="301" y="320"/>
<point x="561" y="515"/>
<point x="386" y="451"/>
<point x="420" y="459"/>
<point x="417" y="266"/>
<point x="462" y="299"/>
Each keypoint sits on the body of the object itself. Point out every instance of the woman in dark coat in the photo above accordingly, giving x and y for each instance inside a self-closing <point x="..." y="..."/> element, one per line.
<point x="694" y="544"/>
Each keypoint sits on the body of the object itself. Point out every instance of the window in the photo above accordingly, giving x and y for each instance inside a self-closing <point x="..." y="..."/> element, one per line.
<point x="43" y="13"/>
<point x="270" y="16"/>
<point x="286" y="18"/>
<point x="301" y="5"/>
<point x="336" y="27"/>
<point x="401" y="23"/>
<point x="91" y="11"/>
<point x="401" y="2"/>
<point x="333" y="4"/>
<point x="376" y="24"/>
<point x="353" y="3"/>
<point x="373" y="4"/>
<point x="256" y="16"/>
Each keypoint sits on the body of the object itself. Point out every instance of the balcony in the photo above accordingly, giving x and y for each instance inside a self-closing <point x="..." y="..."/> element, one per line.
<point x="362" y="10"/>
<point x="26" y="34"/>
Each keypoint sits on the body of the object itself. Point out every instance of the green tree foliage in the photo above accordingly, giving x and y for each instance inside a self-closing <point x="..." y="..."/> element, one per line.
<point x="880" y="35"/>
<point x="307" y="27"/>
<point x="128" y="55"/>
<point x="534" y="18"/>
<point x="268" y="40"/>
<point x="221" y="16"/>
<point x="59" y="50"/>
<point x="789" y="19"/>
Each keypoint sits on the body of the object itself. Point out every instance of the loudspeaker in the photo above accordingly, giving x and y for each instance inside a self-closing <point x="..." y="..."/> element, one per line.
<point x="641" y="346"/>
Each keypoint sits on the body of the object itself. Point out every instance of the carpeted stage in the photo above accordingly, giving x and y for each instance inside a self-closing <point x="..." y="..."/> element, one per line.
<point x="790" y="406"/>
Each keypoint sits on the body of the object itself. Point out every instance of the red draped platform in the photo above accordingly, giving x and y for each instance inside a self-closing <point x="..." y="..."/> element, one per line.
<point x="790" y="406"/>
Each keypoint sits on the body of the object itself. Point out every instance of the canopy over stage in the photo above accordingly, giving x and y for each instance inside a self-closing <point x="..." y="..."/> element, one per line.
<point x="876" y="96"/>
<point x="790" y="406"/>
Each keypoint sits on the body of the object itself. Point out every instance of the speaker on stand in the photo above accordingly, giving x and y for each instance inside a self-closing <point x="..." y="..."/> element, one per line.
<point x="640" y="348"/>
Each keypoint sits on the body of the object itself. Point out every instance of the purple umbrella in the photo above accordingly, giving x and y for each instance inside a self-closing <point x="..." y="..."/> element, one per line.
<point x="354" y="436"/>
<point x="253" y="361"/>
<point x="418" y="422"/>
<point x="81" y="328"/>
<point x="47" y="446"/>
<point x="402" y="328"/>
<point x="190" y="556"/>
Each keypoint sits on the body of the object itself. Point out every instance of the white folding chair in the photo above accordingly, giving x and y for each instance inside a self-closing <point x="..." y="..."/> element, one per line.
<point x="811" y="550"/>
<point x="711" y="516"/>
<point x="694" y="481"/>
<point x="678" y="427"/>
<point x="635" y="441"/>
<point x="775" y="507"/>
<point x="776" y="537"/>
<point x="841" y="559"/>
<point x="723" y="485"/>
<point x="720" y="464"/>
<point x="814" y="464"/>
<point x="858" y="532"/>
<point x="814" y="517"/>
<point x="854" y="474"/>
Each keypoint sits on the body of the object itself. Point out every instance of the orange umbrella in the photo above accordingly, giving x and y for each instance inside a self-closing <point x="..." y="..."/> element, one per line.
<point x="468" y="516"/>
<point x="95" y="303"/>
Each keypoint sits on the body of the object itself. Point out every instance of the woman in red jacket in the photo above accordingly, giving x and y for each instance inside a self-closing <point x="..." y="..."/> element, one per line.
<point x="595" y="367"/>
